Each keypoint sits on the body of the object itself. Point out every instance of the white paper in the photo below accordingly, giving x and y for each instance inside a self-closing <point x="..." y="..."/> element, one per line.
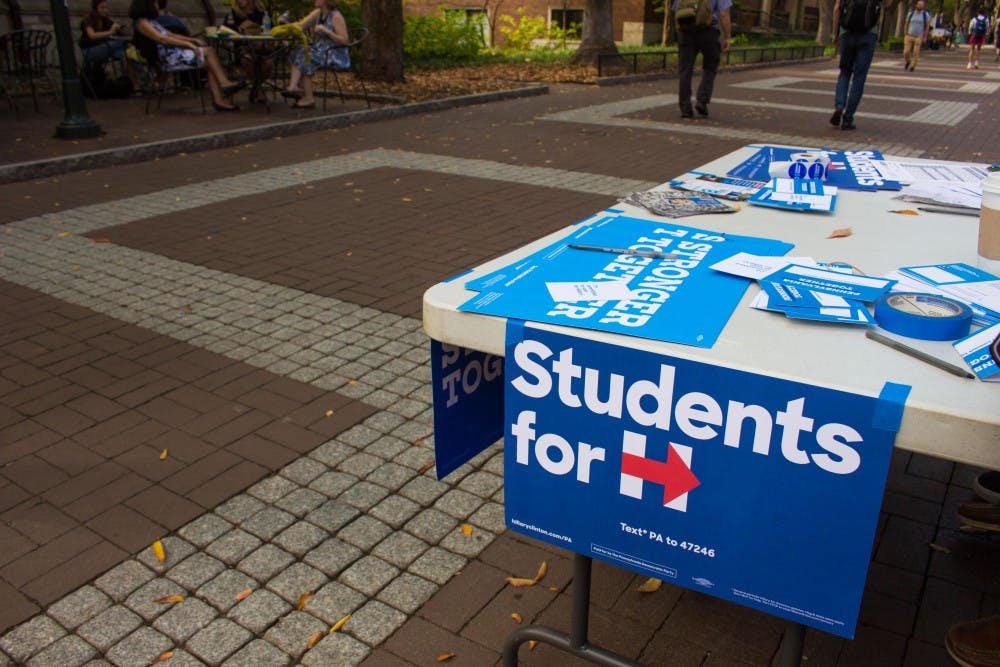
<point x="607" y="290"/>
<point x="916" y="172"/>
<point x="936" y="275"/>
<point x="967" y="195"/>
<point x="756" y="267"/>
<point x="831" y="300"/>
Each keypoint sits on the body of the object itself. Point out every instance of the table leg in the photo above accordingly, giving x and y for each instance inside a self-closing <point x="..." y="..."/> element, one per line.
<point x="576" y="642"/>
<point x="790" y="650"/>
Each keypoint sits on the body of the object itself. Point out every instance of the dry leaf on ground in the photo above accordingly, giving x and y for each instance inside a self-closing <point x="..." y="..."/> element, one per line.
<point x="303" y="599"/>
<point x="517" y="617"/>
<point x="339" y="624"/>
<point x="840" y="233"/>
<point x="163" y="455"/>
<point x="163" y="657"/>
<point x="314" y="639"/>
<point x="244" y="594"/>
<point x="170" y="599"/>
<point x="651" y="585"/>
<point x="466" y="529"/>
<point x="521" y="582"/>
<point x="444" y="657"/>
<point x="532" y="644"/>
<point x="158" y="551"/>
<point x="905" y="211"/>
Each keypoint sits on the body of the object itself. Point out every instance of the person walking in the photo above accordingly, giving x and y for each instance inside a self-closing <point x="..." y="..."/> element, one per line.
<point x="857" y="36"/>
<point x="918" y="24"/>
<point x="706" y="30"/>
<point x="979" y="27"/>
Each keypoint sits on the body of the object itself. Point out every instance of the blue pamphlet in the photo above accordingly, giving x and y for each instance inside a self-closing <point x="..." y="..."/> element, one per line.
<point x="975" y="350"/>
<point x="797" y="194"/>
<point x="678" y="300"/>
<point x="753" y="489"/>
<point x="848" y="286"/>
<point x="851" y="170"/>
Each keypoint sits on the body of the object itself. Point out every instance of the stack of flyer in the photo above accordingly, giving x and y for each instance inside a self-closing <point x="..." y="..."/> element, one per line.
<point x="802" y="288"/>
<point x="797" y="194"/>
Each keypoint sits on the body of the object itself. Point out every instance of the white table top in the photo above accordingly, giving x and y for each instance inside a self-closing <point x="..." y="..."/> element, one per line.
<point x="946" y="416"/>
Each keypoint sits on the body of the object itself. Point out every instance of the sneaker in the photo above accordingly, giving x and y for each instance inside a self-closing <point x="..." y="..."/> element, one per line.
<point x="701" y="108"/>
<point x="976" y="64"/>
<point x="987" y="486"/>
<point x="980" y="515"/>
<point x="848" y="126"/>
<point x="975" y="643"/>
<point x="687" y="113"/>
<point x="835" y="118"/>
<point x="969" y="66"/>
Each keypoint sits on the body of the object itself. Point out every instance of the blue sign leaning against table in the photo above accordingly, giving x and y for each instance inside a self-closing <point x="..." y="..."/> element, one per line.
<point x="761" y="491"/>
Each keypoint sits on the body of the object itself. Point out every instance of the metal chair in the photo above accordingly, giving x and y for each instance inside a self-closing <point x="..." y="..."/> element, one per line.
<point x="154" y="79"/>
<point x="355" y="68"/>
<point x="24" y="59"/>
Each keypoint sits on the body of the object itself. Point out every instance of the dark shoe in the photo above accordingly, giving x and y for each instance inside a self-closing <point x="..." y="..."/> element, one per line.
<point x="975" y="643"/>
<point x="848" y="126"/>
<point x="234" y="88"/>
<point x="835" y="118"/>
<point x="701" y="108"/>
<point x="980" y="515"/>
<point x="219" y="107"/>
<point x="687" y="113"/>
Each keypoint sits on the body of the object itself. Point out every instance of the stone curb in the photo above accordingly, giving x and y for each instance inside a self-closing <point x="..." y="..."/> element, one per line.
<point x="22" y="171"/>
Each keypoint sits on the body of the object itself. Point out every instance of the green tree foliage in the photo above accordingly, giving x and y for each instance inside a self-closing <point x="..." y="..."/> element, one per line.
<point x="451" y="36"/>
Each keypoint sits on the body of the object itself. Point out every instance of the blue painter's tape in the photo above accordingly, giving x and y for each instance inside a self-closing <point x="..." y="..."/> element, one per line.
<point x="457" y="276"/>
<point x="889" y="409"/>
<point x="891" y="315"/>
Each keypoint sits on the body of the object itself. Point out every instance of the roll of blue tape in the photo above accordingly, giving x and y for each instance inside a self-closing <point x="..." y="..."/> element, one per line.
<point x="923" y="316"/>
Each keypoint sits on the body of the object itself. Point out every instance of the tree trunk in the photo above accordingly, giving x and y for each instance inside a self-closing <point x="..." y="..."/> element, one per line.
<point x="827" y="22"/>
<point x="382" y="52"/>
<point x="598" y="35"/>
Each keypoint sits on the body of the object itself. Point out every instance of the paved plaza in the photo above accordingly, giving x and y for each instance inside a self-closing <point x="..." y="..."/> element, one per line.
<point x="222" y="350"/>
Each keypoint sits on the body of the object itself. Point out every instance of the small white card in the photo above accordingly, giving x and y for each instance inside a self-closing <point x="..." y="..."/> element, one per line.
<point x="608" y="290"/>
<point x="756" y="267"/>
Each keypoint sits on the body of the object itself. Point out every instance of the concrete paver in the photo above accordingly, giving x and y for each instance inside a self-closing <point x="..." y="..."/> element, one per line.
<point x="233" y="308"/>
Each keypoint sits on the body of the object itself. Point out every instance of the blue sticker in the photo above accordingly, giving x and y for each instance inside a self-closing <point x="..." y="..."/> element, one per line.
<point x="746" y="487"/>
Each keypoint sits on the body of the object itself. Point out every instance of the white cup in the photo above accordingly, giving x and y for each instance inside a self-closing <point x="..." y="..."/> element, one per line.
<point x="989" y="226"/>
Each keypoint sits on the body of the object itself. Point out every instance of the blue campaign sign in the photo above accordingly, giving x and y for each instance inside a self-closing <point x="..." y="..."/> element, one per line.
<point x="851" y="170"/>
<point x="468" y="403"/>
<point x="678" y="299"/>
<point x="761" y="491"/>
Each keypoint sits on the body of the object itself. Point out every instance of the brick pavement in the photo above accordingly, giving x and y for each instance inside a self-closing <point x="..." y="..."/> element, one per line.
<point x="230" y="280"/>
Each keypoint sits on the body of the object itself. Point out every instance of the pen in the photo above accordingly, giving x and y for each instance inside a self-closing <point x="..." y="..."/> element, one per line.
<point x="941" y="209"/>
<point x="651" y="254"/>
<point x="917" y="354"/>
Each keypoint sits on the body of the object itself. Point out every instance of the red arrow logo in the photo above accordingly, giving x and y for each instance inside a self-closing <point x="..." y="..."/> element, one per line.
<point x="675" y="476"/>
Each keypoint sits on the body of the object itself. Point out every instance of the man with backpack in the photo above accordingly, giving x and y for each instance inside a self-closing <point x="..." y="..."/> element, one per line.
<point x="979" y="27"/>
<point x="918" y="24"/>
<point x="703" y="26"/>
<point x="858" y="33"/>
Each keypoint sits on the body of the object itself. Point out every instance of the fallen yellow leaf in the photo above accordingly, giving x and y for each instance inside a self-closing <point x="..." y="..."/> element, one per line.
<point x="445" y="657"/>
<point x="62" y="234"/>
<point x="905" y="211"/>
<point x="158" y="551"/>
<point x="651" y="585"/>
<point x="938" y="547"/>
<point x="339" y="624"/>
<point x="329" y="413"/>
<point x="554" y="589"/>
<point x="840" y="233"/>
<point x="517" y="617"/>
<point x="163" y="657"/>
<point x="520" y="582"/>
<point x="163" y="455"/>
<point x="314" y="639"/>
<point x="425" y="467"/>
<point x="102" y="239"/>
<point x="303" y="599"/>
<point x="170" y="599"/>
<point x="542" y="569"/>
<point x="466" y="529"/>
<point x="532" y="644"/>
<point x="244" y="594"/>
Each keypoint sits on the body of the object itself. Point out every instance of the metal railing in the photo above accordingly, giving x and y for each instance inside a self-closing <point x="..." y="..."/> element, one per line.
<point x="647" y="62"/>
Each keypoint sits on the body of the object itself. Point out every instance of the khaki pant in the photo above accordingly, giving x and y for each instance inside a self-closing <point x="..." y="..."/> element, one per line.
<point x="911" y="49"/>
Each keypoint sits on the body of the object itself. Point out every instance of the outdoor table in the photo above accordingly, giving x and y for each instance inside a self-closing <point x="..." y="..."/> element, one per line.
<point x="945" y="416"/>
<point x="259" y="49"/>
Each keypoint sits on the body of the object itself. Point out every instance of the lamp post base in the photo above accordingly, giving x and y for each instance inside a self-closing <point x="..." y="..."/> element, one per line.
<point x="78" y="127"/>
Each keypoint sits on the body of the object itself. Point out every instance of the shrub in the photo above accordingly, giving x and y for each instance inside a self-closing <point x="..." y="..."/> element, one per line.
<point x="522" y="31"/>
<point x="449" y="37"/>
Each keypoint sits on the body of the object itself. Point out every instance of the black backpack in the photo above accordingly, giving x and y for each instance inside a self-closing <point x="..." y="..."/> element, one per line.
<point x="860" y="15"/>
